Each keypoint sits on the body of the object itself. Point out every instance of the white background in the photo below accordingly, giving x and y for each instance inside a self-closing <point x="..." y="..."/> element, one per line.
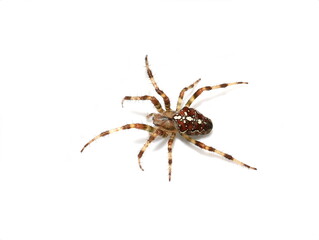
<point x="65" y="67"/>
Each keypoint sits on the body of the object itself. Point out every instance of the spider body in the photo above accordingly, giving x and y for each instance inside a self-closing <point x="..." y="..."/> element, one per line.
<point x="185" y="121"/>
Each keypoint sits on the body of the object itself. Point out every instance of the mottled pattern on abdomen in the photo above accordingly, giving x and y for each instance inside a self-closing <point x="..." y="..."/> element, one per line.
<point x="192" y="122"/>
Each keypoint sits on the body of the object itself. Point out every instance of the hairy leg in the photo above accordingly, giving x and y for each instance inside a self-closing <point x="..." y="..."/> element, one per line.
<point x="208" y="88"/>
<point x="211" y="149"/>
<point x="159" y="91"/>
<point x="151" y="98"/>
<point x="181" y="95"/>
<point x="170" y="158"/>
<point x="127" y="126"/>
<point x="140" y="154"/>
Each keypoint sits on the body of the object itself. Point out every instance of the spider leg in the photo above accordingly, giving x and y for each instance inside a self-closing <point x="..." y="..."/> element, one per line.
<point x="152" y="137"/>
<point x="140" y="154"/>
<point x="225" y="155"/>
<point x="170" y="158"/>
<point x="181" y="95"/>
<point x="150" y="115"/>
<point x="208" y="88"/>
<point x="127" y="126"/>
<point x="159" y="91"/>
<point x="151" y="98"/>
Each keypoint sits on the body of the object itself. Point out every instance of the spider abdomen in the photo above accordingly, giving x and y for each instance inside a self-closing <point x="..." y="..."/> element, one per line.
<point x="192" y="122"/>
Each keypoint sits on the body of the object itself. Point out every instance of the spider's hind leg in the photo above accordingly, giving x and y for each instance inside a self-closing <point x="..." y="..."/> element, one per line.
<point x="211" y="149"/>
<point x="208" y="88"/>
<point x="181" y="95"/>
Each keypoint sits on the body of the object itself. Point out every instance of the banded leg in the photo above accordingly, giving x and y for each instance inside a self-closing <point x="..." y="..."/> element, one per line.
<point x="170" y="158"/>
<point x="159" y="91"/>
<point x="140" y="154"/>
<point x="149" y="115"/>
<point x="181" y="95"/>
<point x="225" y="155"/>
<point x="127" y="126"/>
<point x="155" y="102"/>
<point x="208" y="88"/>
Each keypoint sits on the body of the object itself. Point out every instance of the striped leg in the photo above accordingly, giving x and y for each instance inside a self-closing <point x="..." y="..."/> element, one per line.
<point x="181" y="95"/>
<point x="150" y="115"/>
<point x="170" y="158"/>
<point x="151" y="98"/>
<point x="140" y="154"/>
<point x="127" y="126"/>
<point x="159" y="91"/>
<point x="225" y="155"/>
<point x="208" y="88"/>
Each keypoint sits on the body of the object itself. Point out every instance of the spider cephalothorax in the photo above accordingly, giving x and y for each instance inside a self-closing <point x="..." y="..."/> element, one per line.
<point x="186" y="121"/>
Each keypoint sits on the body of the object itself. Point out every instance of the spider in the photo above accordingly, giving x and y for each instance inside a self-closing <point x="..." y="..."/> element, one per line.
<point x="184" y="120"/>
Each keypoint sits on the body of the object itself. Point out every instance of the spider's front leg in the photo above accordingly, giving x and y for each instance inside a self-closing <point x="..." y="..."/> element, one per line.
<point x="152" y="137"/>
<point x="127" y="126"/>
<point x="211" y="149"/>
<point x="140" y="154"/>
<point x="154" y="100"/>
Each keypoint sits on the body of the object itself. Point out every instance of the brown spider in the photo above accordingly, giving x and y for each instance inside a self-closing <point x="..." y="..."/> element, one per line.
<point x="186" y="121"/>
